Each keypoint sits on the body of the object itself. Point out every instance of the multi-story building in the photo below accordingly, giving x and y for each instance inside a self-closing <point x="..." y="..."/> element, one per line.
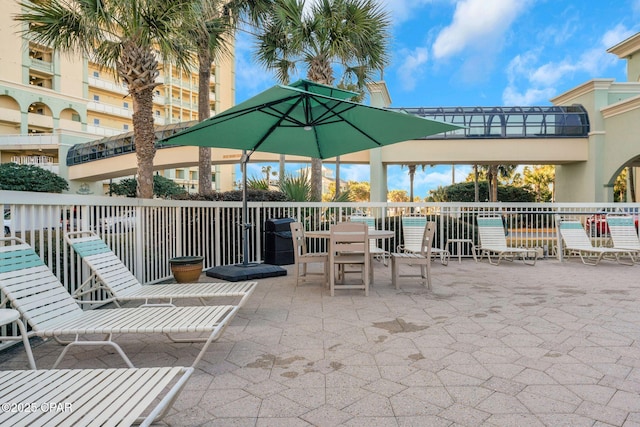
<point x="50" y="101"/>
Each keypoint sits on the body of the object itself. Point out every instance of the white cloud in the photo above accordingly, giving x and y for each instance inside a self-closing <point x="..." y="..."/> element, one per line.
<point x="477" y="24"/>
<point x="540" y="81"/>
<point x="250" y="77"/>
<point x="403" y="10"/>
<point x="412" y="67"/>
<point x="358" y="173"/>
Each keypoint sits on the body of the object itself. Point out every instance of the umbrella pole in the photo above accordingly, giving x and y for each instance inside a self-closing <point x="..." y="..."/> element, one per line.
<point x="245" y="211"/>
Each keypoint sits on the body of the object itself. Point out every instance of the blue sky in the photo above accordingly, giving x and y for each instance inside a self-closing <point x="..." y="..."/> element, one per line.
<point x="480" y="53"/>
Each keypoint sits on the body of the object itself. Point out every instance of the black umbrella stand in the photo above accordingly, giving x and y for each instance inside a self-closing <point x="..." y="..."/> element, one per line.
<point x="245" y="270"/>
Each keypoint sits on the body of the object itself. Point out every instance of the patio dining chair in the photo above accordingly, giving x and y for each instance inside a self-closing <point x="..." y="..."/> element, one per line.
<point x="301" y="257"/>
<point x="577" y="242"/>
<point x="413" y="227"/>
<point x="493" y="241"/>
<point x="348" y="245"/>
<point x="44" y="303"/>
<point x="110" y="274"/>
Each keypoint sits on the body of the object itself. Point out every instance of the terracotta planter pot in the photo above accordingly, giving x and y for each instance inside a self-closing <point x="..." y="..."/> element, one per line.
<point x="186" y="269"/>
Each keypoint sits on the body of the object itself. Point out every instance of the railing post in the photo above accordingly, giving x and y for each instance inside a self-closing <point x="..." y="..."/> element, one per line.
<point x="217" y="239"/>
<point x="139" y="244"/>
<point x="560" y="251"/>
<point x="179" y="242"/>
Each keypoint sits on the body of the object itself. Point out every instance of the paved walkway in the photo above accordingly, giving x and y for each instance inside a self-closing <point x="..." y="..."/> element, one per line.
<point x="513" y="345"/>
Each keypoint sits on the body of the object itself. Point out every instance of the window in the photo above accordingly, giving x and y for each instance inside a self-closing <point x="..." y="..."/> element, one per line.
<point x="157" y="113"/>
<point x="96" y="74"/>
<point x="157" y="93"/>
<point x="96" y="122"/>
<point x="125" y="105"/>
<point x="96" y="98"/>
<point x="75" y="117"/>
<point x="180" y="173"/>
<point x="125" y="127"/>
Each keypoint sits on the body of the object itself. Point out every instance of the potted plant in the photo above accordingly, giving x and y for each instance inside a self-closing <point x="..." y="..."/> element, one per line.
<point x="186" y="269"/>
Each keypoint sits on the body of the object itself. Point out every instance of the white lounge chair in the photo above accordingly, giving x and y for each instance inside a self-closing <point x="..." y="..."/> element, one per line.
<point x="576" y="241"/>
<point x="375" y="252"/>
<point x="422" y="259"/>
<point x="413" y="228"/>
<point x="32" y="289"/>
<point x="493" y="241"/>
<point x="110" y="274"/>
<point x="87" y="397"/>
<point x="624" y="234"/>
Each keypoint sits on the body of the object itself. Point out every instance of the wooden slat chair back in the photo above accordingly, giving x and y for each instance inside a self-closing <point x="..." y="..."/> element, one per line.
<point x="349" y="245"/>
<point x="301" y="257"/>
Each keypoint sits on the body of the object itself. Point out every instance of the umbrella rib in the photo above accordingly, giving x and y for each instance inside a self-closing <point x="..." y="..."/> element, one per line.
<point x="276" y="124"/>
<point x="223" y="117"/>
<point x="339" y="114"/>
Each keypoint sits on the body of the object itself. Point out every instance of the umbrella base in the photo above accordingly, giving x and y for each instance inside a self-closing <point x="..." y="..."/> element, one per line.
<point x="241" y="272"/>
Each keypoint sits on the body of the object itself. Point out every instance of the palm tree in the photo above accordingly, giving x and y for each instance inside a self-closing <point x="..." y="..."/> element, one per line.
<point x="351" y="33"/>
<point x="127" y="36"/>
<point x="208" y="34"/>
<point x="412" y="174"/>
<point x="493" y="173"/>
<point x="214" y="23"/>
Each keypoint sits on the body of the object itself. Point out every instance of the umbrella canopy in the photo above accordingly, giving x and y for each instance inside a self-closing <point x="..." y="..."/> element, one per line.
<point x="306" y="119"/>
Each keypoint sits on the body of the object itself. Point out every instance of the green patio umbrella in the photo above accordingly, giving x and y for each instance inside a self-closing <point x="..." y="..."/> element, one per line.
<point x="305" y="119"/>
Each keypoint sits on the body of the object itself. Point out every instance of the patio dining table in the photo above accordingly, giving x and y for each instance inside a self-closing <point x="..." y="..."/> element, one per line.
<point x="373" y="234"/>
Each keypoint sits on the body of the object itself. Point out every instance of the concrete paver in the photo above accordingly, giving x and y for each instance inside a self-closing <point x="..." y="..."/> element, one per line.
<point x="553" y="344"/>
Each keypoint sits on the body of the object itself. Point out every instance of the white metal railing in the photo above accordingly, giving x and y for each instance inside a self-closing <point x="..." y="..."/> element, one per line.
<point x="145" y="234"/>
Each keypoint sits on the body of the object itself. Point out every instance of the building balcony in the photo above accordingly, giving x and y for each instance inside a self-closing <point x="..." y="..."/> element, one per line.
<point x="104" y="131"/>
<point x="40" y="120"/>
<point x="39" y="140"/>
<point x="42" y="66"/>
<point x="9" y="115"/>
<point x="108" y="86"/>
<point x="109" y="109"/>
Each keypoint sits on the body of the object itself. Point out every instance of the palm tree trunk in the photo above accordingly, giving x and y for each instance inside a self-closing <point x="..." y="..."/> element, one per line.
<point x="316" y="180"/>
<point x="412" y="175"/>
<point x="281" y="166"/>
<point x="144" y="135"/>
<point x="476" y="189"/>
<point x="204" y="153"/>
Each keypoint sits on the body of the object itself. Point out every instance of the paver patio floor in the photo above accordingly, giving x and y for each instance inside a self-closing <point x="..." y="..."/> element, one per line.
<point x="513" y="345"/>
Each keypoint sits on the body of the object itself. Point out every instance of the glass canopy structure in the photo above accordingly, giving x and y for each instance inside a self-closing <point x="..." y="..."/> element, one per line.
<point x="117" y="145"/>
<point x="508" y="122"/>
<point x="478" y="122"/>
